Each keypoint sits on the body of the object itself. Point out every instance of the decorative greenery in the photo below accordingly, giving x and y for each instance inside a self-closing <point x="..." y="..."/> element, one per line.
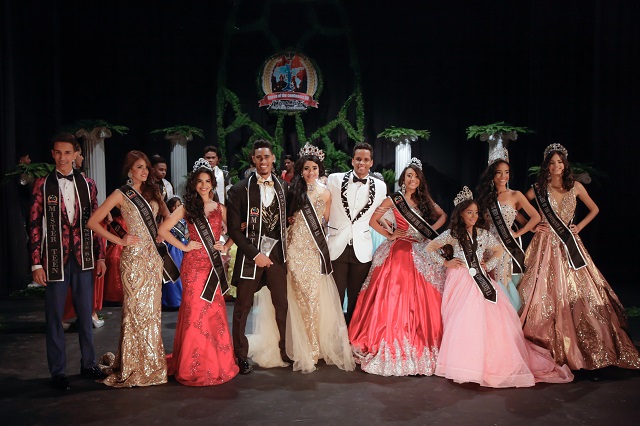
<point x="32" y="171"/>
<point x="401" y="134"/>
<point x="389" y="176"/>
<point x="499" y="127"/>
<point x="181" y="130"/>
<point x="633" y="311"/>
<point x="228" y="100"/>
<point x="29" y="292"/>
<point x="89" y="124"/>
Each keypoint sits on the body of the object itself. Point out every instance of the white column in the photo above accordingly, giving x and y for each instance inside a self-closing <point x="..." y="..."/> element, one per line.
<point x="178" y="161"/>
<point x="403" y="156"/>
<point x="94" y="157"/>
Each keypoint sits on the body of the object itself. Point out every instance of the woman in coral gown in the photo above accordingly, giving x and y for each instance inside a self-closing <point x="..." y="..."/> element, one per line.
<point x="140" y="360"/>
<point x="569" y="308"/>
<point x="316" y="328"/>
<point x="396" y="327"/>
<point x="172" y="290"/>
<point x="500" y="205"/>
<point x="202" y="346"/>
<point x="482" y="340"/>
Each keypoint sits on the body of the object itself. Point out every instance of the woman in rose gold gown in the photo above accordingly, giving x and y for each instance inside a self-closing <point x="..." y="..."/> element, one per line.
<point x="575" y="314"/>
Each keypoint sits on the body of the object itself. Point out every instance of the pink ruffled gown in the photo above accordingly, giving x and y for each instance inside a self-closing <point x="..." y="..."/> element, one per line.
<point x="483" y="341"/>
<point x="202" y="346"/>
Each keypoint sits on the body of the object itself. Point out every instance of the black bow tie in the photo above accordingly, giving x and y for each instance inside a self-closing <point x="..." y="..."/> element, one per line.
<point x="356" y="180"/>
<point x="61" y="176"/>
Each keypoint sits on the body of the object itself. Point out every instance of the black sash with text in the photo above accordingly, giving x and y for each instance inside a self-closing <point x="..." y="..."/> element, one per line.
<point x="509" y="243"/>
<point x="217" y="276"/>
<point x="415" y="220"/>
<point x="576" y="259"/>
<point x="53" y="221"/>
<point x="475" y="270"/>
<point x="315" y="227"/>
<point x="170" y="271"/>
<point x="254" y="221"/>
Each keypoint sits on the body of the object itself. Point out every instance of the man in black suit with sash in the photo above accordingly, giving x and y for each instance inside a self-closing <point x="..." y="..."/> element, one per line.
<point x="257" y="221"/>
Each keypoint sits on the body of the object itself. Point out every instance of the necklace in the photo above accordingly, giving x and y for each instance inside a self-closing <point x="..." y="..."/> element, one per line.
<point x="311" y="187"/>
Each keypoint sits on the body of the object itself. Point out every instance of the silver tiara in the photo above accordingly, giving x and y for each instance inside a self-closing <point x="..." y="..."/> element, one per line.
<point x="497" y="155"/>
<point x="415" y="162"/>
<point x="555" y="147"/>
<point x="463" y="195"/>
<point x="309" y="149"/>
<point x="202" y="164"/>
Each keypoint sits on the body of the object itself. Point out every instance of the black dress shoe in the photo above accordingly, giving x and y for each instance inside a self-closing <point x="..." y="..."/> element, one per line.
<point x="93" y="373"/>
<point x="60" y="382"/>
<point x="245" y="367"/>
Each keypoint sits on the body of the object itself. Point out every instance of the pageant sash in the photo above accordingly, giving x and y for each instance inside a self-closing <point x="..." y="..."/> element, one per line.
<point x="475" y="270"/>
<point x="315" y="227"/>
<point x="217" y="276"/>
<point x="509" y="243"/>
<point x="415" y="220"/>
<point x="170" y="271"/>
<point x="53" y="225"/>
<point x="345" y="202"/>
<point x="254" y="221"/>
<point x="576" y="259"/>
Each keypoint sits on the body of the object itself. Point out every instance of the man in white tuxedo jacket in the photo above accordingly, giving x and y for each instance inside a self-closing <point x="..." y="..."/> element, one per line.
<point x="355" y="195"/>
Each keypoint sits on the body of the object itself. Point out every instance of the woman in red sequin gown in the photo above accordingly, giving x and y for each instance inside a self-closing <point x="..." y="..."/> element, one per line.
<point x="202" y="346"/>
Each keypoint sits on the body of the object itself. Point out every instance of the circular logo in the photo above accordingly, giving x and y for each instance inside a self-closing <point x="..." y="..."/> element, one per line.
<point x="289" y="82"/>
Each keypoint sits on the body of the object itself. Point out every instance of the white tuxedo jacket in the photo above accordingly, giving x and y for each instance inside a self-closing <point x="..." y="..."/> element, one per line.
<point x="341" y="229"/>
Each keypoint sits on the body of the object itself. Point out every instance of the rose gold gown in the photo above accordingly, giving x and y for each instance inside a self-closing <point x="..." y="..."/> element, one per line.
<point x="573" y="313"/>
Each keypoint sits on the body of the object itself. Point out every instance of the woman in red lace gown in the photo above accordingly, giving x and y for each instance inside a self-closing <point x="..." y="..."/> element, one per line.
<point x="202" y="346"/>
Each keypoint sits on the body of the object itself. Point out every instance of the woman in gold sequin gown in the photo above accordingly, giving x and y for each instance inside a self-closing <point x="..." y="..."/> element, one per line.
<point x="140" y="360"/>
<point x="573" y="313"/>
<point x="316" y="328"/>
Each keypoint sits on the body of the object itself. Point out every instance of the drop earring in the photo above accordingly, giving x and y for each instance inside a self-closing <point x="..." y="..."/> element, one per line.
<point x="129" y="181"/>
<point x="403" y="188"/>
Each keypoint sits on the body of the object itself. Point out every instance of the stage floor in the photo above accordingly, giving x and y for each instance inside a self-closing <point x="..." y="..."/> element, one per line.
<point x="280" y="396"/>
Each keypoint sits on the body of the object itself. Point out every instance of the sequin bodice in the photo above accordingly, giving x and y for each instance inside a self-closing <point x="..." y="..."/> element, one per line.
<point x="566" y="208"/>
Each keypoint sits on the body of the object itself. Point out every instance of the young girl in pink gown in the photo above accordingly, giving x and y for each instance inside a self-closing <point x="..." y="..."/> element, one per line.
<point x="482" y="340"/>
<point x="202" y="346"/>
<point x="396" y="326"/>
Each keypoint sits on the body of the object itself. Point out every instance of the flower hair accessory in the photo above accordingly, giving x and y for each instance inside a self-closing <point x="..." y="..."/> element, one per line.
<point x="415" y="162"/>
<point x="202" y="164"/>
<point x="309" y="149"/>
<point x="555" y="147"/>
<point x="463" y="195"/>
<point x="497" y="155"/>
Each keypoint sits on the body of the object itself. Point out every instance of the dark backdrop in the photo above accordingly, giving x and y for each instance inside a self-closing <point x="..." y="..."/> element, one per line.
<point x="565" y="69"/>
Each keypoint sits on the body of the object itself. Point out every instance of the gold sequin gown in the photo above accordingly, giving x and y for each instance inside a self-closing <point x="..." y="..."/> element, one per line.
<point x="573" y="313"/>
<point x="316" y="328"/>
<point x="140" y="360"/>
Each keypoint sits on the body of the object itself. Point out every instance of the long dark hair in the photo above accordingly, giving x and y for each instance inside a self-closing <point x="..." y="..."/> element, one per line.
<point x="298" y="186"/>
<point x="544" y="176"/>
<point x="148" y="189"/>
<point x="421" y="196"/>
<point x="486" y="193"/>
<point x="193" y="204"/>
<point x="457" y="226"/>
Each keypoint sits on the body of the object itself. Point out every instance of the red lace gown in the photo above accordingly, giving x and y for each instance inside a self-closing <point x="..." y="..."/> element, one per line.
<point x="396" y="327"/>
<point x="202" y="346"/>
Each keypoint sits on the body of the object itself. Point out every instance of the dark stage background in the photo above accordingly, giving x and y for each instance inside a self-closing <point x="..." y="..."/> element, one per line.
<point x="567" y="69"/>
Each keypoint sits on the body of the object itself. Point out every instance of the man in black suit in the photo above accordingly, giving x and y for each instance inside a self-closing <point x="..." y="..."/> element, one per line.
<point x="257" y="224"/>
